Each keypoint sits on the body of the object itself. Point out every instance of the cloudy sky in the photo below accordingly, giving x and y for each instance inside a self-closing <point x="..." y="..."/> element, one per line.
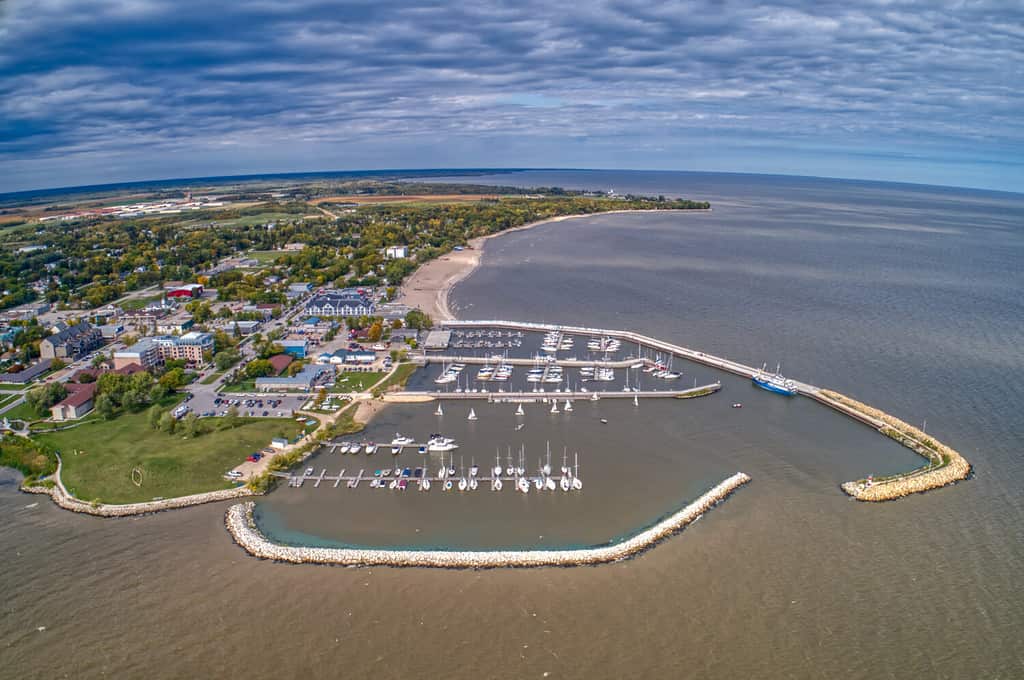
<point x="94" y="91"/>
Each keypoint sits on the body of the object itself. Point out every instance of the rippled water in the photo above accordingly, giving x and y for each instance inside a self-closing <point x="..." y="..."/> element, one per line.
<point x="905" y="297"/>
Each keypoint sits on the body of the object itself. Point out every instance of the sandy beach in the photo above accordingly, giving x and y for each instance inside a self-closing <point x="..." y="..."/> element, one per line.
<point x="428" y="287"/>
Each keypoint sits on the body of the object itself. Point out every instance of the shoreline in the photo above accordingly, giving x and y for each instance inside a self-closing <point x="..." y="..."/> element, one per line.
<point x="429" y="287"/>
<point x="241" y="525"/>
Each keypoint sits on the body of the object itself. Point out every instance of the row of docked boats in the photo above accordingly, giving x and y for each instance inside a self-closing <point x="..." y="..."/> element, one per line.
<point x="436" y="442"/>
<point x="555" y="341"/>
<point x="450" y="374"/>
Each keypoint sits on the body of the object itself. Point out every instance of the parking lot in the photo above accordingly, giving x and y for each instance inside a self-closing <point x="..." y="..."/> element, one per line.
<point x="272" y="405"/>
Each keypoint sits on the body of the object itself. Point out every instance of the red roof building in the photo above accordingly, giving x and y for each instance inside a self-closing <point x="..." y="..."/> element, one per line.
<point x="280" y="362"/>
<point x="78" y="402"/>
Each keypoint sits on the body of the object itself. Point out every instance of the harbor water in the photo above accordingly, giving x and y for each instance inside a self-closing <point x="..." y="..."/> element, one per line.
<point x="907" y="298"/>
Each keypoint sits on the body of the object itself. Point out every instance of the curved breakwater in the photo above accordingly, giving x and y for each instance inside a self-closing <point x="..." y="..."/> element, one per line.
<point x="240" y="523"/>
<point x="63" y="498"/>
<point x="946" y="465"/>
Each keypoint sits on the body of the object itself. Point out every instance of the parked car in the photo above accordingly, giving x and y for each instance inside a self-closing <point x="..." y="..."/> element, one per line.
<point x="234" y="474"/>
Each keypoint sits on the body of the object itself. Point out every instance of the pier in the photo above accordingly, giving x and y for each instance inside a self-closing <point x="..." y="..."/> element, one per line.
<point x="540" y="396"/>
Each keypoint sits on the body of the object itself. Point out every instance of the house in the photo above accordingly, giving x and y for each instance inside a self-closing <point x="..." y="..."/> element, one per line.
<point x="78" y="402"/>
<point x="279" y="362"/>
<point x="111" y="330"/>
<point x="294" y="246"/>
<point x="343" y="303"/>
<point x="396" y="252"/>
<point x="71" y="343"/>
<point x="245" y="327"/>
<point x="298" y="289"/>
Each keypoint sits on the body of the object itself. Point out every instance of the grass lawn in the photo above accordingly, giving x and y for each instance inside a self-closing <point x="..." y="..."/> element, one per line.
<point x="247" y="385"/>
<point x="399" y="377"/>
<point x="355" y="382"/>
<point x="212" y="378"/>
<point x="107" y="451"/>
<point x="265" y="256"/>
<point x="21" y="412"/>
<point x="6" y="399"/>
<point x="250" y="220"/>
<point x="139" y="303"/>
<point x="11" y="387"/>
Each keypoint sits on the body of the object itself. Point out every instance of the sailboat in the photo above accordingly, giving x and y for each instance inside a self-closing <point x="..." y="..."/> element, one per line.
<point x="636" y="401"/>
<point x="577" y="484"/>
<point x="554" y="406"/>
<point x="439" y="411"/>
<point x="568" y="406"/>
<point x="520" y="411"/>
<point x="472" y="415"/>
<point x="497" y="465"/>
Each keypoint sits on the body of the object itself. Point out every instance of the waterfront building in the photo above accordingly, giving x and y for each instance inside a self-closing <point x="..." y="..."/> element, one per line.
<point x="77" y="404"/>
<point x="339" y="303"/>
<point x="303" y="380"/>
<point x="154" y="351"/>
<point x="297" y="348"/>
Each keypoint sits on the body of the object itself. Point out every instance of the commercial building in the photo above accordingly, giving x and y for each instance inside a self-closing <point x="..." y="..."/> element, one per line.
<point x="303" y="380"/>
<point x="175" y="325"/>
<point x="188" y="290"/>
<point x="396" y="252"/>
<point x="71" y="343"/>
<point x="297" y="348"/>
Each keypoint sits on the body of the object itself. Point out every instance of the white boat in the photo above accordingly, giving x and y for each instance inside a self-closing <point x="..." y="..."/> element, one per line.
<point x="554" y="406"/>
<point x="399" y="440"/>
<point x="538" y="483"/>
<point x="393" y="484"/>
<point x="473" y="484"/>
<point x="395" y="450"/>
<point x="496" y="485"/>
<point x="565" y="483"/>
<point x="425" y="483"/>
<point x="523" y="485"/>
<point x="472" y="415"/>
<point x="568" y="406"/>
<point x="520" y="411"/>
<point x="594" y="397"/>
<point x="448" y="485"/>
<point x="636" y="401"/>
<point x="439" y="411"/>
<point x="549" y="484"/>
<point x="463" y="484"/>
<point x="371" y="448"/>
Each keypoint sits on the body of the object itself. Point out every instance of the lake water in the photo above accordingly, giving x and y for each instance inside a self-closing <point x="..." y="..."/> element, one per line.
<point x="908" y="298"/>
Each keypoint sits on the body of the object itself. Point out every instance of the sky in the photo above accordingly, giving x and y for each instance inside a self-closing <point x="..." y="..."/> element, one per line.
<point x="103" y="91"/>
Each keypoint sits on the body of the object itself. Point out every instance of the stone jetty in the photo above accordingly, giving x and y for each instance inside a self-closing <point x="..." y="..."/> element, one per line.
<point x="240" y="524"/>
<point x="63" y="498"/>
<point x="945" y="464"/>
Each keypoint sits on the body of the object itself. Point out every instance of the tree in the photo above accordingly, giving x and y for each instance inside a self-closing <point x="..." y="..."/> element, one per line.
<point x="58" y="364"/>
<point x="173" y="379"/>
<point x="42" y="398"/>
<point x="226" y="359"/>
<point x="232" y="416"/>
<point x="418" y="320"/>
<point x="99" y="360"/>
<point x="158" y="392"/>
<point x="105" y="406"/>
<point x="190" y="424"/>
<point x="167" y="422"/>
<point x="154" y="417"/>
<point x="375" y="331"/>
<point x="257" y="368"/>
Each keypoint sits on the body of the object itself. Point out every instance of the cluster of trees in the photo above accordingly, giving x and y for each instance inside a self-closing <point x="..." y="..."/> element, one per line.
<point x="40" y="399"/>
<point x="116" y="392"/>
<point x="418" y="320"/>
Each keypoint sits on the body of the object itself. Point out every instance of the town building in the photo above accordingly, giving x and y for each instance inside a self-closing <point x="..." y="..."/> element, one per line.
<point x="279" y="362"/>
<point x="396" y="252"/>
<point x="339" y="303"/>
<point x="188" y="290"/>
<point x="77" y="404"/>
<point x="303" y="380"/>
<point x="175" y="325"/>
<point x="149" y="352"/>
<point x="296" y="348"/>
<point x="71" y="343"/>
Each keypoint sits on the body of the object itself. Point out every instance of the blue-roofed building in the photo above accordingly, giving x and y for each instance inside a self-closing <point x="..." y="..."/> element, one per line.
<point x="297" y="348"/>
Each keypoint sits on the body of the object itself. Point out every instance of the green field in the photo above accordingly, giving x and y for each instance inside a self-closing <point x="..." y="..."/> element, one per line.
<point x="21" y="412"/>
<point x="99" y="457"/>
<point x="355" y="382"/>
<point x="11" y="387"/>
<point x="266" y="256"/>
<point x="7" y="399"/>
<point x="250" y="220"/>
<point x="399" y="376"/>
<point x="139" y="303"/>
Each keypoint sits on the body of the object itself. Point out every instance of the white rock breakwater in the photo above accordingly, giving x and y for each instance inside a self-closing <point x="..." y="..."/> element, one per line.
<point x="64" y="499"/>
<point x="240" y="524"/>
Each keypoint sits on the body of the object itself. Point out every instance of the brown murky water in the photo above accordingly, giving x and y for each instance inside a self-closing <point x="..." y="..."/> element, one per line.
<point x="788" y="578"/>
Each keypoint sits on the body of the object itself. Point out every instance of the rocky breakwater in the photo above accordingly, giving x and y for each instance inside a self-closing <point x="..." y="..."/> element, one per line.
<point x="64" y="499"/>
<point x="240" y="524"/>
<point x="945" y="465"/>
